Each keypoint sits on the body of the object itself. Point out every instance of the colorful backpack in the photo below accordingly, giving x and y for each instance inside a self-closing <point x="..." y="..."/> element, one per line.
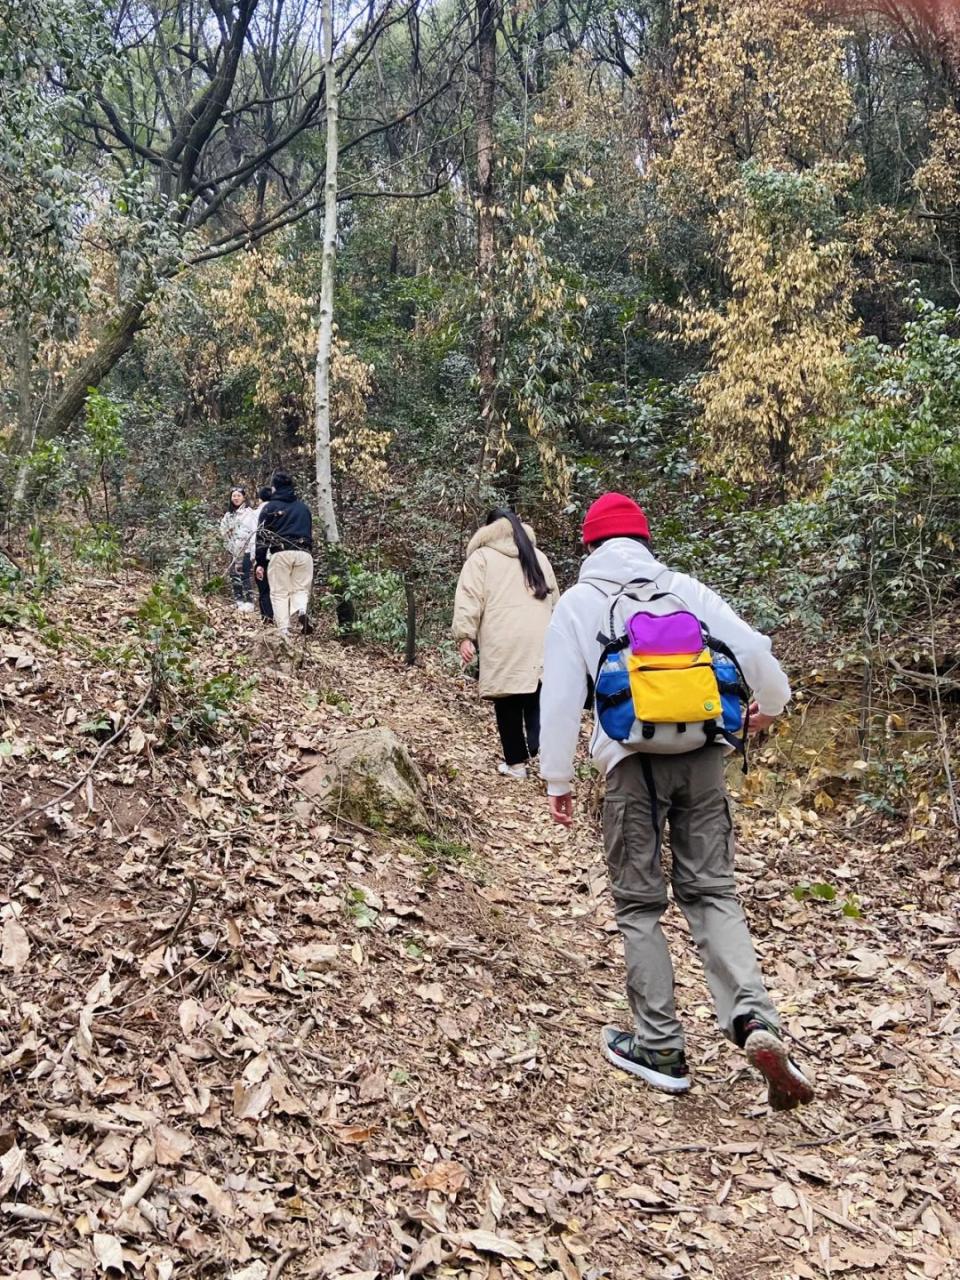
<point x="665" y="685"/>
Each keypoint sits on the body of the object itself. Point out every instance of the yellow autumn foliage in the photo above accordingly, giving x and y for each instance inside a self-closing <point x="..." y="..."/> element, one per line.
<point x="777" y="349"/>
<point x="760" y="80"/>
<point x="938" y="177"/>
<point x="264" y="328"/>
<point x="536" y="299"/>
<point x="762" y="108"/>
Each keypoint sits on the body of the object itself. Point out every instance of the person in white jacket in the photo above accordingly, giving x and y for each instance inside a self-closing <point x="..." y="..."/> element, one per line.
<point x="648" y="790"/>
<point x="238" y="529"/>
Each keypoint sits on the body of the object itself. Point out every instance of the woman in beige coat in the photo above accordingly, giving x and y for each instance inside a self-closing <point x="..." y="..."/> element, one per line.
<point x="505" y="597"/>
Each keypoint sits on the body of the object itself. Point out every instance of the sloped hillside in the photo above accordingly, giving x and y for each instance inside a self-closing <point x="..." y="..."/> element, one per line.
<point x="243" y="1036"/>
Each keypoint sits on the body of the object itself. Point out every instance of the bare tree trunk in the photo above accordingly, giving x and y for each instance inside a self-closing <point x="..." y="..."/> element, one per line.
<point x="410" y="649"/>
<point x="115" y="342"/>
<point x="25" y="419"/>
<point x="541" y="65"/>
<point x="325" y="507"/>
<point x="486" y="231"/>
<point x="940" y="720"/>
<point x="26" y="422"/>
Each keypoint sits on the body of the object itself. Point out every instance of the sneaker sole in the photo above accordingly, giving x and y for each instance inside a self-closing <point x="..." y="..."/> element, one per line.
<point x="666" y="1084"/>
<point x="787" y="1088"/>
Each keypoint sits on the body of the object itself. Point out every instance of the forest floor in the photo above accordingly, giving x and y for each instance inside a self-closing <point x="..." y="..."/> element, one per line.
<point x="240" y="1037"/>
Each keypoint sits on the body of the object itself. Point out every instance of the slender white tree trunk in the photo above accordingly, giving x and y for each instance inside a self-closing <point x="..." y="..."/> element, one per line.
<point x="325" y="508"/>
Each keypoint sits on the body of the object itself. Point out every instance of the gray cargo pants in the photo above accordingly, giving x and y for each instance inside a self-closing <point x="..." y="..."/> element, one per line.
<point x="692" y="797"/>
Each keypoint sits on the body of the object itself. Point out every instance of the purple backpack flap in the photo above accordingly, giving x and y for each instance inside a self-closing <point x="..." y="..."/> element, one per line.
<point x="678" y="632"/>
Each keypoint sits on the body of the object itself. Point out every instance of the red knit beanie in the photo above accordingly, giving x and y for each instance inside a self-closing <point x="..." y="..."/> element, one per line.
<point x="614" y="516"/>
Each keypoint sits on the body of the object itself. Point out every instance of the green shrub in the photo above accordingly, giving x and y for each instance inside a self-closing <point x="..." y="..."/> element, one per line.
<point x="891" y="509"/>
<point x="22" y="592"/>
<point x="99" y="545"/>
<point x="379" y="603"/>
<point x="172" y="626"/>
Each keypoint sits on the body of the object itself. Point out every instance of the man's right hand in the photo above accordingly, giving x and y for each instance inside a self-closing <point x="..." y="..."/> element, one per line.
<point x="758" y="720"/>
<point x="259" y="573"/>
<point x="468" y="651"/>
<point x="561" y="809"/>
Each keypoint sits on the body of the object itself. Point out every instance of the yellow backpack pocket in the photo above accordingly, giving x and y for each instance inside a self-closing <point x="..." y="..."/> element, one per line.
<point x="674" y="688"/>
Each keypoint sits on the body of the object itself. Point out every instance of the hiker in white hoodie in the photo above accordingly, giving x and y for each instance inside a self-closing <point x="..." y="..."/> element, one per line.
<point x="677" y="783"/>
<point x="238" y="529"/>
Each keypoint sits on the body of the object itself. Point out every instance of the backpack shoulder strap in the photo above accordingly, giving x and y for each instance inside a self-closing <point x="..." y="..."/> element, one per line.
<point x="625" y="589"/>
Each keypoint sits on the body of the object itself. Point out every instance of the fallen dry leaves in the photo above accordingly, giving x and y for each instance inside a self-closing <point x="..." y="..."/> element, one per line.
<point x="241" y="1038"/>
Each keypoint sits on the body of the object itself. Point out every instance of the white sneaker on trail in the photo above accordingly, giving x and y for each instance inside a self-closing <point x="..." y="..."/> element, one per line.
<point x="245" y="606"/>
<point x="664" y="1069"/>
<point x="512" y="770"/>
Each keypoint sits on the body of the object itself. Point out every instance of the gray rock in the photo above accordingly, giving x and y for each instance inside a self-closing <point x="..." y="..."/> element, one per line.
<point x="369" y="776"/>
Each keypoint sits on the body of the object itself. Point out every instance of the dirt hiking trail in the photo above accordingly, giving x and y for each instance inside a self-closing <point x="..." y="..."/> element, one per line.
<point x="243" y="1037"/>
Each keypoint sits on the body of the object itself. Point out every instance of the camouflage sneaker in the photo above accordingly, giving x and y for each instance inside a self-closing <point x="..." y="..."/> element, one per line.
<point x="664" y="1069"/>
<point x="763" y="1045"/>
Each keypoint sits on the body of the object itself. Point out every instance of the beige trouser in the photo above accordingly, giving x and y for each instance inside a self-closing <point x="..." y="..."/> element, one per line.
<point x="290" y="574"/>
<point x="691" y="796"/>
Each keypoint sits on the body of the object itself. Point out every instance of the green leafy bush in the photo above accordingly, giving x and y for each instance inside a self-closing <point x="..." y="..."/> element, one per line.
<point x="179" y="537"/>
<point x="379" y="601"/>
<point x="102" y="446"/>
<point x="820" y="891"/>
<point x="99" y="545"/>
<point x="880" y="537"/>
<point x="22" y="591"/>
<point x="48" y="471"/>
<point x="891" y="510"/>
<point x="172" y="626"/>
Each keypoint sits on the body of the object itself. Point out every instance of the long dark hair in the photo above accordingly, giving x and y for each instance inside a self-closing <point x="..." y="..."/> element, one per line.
<point x="532" y="573"/>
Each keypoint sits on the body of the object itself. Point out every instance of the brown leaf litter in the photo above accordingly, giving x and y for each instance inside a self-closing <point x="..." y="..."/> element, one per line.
<point x="242" y="1038"/>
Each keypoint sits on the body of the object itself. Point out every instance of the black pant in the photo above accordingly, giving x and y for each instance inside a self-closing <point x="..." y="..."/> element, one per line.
<point x="240" y="579"/>
<point x="518" y="719"/>
<point x="263" y="595"/>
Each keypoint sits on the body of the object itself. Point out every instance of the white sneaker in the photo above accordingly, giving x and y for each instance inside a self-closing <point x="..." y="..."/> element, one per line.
<point x="512" y="770"/>
<point x="665" y="1069"/>
<point x="245" y="606"/>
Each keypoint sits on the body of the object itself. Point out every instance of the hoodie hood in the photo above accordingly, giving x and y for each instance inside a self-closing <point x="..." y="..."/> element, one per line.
<point x="284" y="493"/>
<point x="619" y="561"/>
<point x="499" y="537"/>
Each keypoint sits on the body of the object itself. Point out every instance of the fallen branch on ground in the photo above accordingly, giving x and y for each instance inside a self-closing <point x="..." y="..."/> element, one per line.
<point x="75" y="786"/>
<point x="182" y="919"/>
<point x="927" y="679"/>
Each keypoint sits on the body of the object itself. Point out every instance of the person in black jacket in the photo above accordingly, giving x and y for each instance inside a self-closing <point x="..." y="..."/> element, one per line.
<point x="285" y="531"/>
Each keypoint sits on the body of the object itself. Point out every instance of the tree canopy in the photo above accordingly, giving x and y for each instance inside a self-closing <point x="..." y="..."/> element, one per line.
<point x="635" y="245"/>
